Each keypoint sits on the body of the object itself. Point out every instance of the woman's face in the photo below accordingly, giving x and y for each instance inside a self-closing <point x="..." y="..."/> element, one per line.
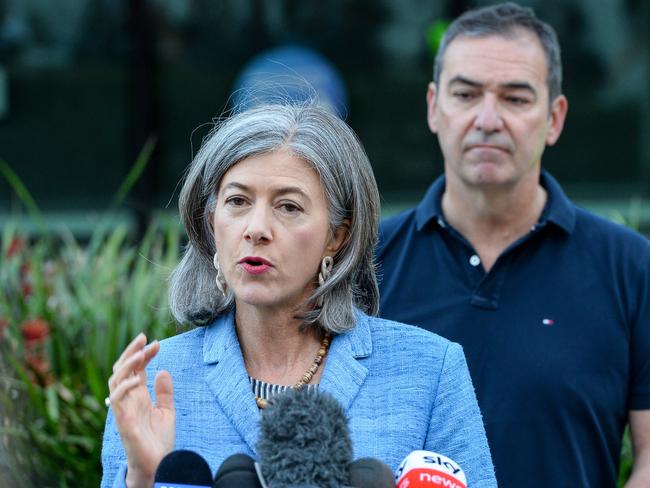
<point x="271" y="229"/>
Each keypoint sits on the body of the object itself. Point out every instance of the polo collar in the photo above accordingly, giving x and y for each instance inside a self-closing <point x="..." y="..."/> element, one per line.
<point x="430" y="207"/>
<point x="558" y="210"/>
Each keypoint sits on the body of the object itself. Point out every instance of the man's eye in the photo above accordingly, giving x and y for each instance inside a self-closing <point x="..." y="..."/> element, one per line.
<point x="517" y="100"/>
<point x="463" y="95"/>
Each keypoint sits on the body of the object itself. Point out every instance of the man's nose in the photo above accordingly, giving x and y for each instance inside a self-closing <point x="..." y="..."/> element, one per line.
<point x="488" y="119"/>
<point x="258" y="228"/>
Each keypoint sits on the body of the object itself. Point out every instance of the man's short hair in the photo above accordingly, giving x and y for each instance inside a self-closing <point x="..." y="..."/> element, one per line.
<point x="506" y="19"/>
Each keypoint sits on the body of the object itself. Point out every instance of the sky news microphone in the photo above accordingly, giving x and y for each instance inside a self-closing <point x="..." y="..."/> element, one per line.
<point x="237" y="471"/>
<point x="304" y="440"/>
<point x="429" y="469"/>
<point x="183" y="469"/>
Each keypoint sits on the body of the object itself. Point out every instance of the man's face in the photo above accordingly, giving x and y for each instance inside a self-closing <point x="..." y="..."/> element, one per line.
<point x="491" y="112"/>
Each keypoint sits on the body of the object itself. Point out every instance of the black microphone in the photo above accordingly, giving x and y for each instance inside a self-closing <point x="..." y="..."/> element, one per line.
<point x="237" y="471"/>
<point x="183" y="469"/>
<point x="304" y="440"/>
<point x="370" y="473"/>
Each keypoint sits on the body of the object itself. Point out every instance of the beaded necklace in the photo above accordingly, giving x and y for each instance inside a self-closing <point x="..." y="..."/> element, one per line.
<point x="308" y="375"/>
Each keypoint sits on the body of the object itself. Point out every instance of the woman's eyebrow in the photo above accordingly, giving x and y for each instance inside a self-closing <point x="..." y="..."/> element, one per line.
<point x="234" y="184"/>
<point x="290" y="189"/>
<point x="283" y="190"/>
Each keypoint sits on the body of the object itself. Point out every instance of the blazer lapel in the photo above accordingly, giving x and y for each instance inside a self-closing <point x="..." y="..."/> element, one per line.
<point x="228" y="381"/>
<point x="344" y="374"/>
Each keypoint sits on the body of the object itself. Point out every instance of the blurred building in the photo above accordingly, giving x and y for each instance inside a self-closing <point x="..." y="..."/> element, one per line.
<point x="84" y="83"/>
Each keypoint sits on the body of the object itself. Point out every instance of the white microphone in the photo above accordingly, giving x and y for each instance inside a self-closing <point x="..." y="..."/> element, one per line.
<point x="426" y="469"/>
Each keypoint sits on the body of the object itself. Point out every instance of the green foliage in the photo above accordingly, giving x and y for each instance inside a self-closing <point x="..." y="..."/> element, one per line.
<point x="632" y="217"/>
<point x="626" y="459"/>
<point x="434" y="35"/>
<point x="68" y="311"/>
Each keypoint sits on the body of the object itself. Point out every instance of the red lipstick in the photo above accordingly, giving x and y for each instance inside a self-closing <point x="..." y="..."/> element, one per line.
<point x="255" y="265"/>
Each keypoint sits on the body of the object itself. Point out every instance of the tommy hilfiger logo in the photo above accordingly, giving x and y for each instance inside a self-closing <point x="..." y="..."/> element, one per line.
<point x="548" y="322"/>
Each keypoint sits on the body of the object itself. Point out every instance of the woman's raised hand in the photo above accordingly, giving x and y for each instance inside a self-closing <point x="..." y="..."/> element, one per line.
<point x="148" y="431"/>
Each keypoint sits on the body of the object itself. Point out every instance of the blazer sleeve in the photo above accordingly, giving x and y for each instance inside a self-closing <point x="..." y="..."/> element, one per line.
<point x="456" y="429"/>
<point x="113" y="457"/>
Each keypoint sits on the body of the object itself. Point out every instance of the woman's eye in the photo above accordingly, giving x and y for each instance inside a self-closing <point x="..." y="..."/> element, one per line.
<point x="235" y="201"/>
<point x="290" y="207"/>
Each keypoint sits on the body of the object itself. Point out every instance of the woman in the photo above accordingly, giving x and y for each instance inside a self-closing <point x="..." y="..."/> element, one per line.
<point x="281" y="209"/>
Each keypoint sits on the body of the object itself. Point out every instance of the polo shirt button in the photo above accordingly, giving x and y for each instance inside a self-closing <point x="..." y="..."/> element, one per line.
<point x="474" y="260"/>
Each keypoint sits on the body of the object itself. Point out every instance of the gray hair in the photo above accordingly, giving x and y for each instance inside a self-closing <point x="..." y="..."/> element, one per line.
<point x="505" y="19"/>
<point x="331" y="147"/>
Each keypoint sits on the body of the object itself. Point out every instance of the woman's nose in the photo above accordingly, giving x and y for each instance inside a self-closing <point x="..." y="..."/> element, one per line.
<point x="258" y="228"/>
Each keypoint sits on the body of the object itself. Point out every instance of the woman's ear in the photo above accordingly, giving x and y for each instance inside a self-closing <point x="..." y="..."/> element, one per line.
<point x="339" y="237"/>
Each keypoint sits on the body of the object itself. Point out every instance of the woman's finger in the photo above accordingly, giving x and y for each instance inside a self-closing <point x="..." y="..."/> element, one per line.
<point x="131" y="366"/>
<point x="134" y="364"/>
<point x="164" y="390"/>
<point x="120" y="391"/>
<point x="150" y="351"/>
<point x="136" y="344"/>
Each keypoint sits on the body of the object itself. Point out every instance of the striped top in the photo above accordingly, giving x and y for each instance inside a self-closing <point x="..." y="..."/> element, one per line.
<point x="267" y="391"/>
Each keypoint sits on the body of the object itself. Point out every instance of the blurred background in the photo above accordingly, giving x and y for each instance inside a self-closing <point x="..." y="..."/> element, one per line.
<point x="84" y="83"/>
<point x="104" y="102"/>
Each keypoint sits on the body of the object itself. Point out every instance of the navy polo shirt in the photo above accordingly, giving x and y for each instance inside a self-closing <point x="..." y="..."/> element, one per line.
<point x="556" y="335"/>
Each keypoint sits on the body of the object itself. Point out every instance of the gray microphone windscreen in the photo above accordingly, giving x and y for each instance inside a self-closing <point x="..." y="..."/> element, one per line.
<point x="304" y="440"/>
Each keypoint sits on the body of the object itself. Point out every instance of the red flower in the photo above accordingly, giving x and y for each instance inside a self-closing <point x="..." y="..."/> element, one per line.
<point x="27" y="289"/>
<point x="16" y="245"/>
<point x="40" y="368"/>
<point x="3" y="325"/>
<point x="26" y="286"/>
<point x="35" y="331"/>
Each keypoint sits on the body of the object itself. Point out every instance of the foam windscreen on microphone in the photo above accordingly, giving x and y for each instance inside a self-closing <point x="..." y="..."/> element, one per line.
<point x="183" y="468"/>
<point x="370" y="473"/>
<point x="304" y="440"/>
<point x="238" y="471"/>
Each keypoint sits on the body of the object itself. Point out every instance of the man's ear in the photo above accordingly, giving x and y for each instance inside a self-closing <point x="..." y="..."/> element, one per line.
<point x="559" y="109"/>
<point x="339" y="237"/>
<point x="431" y="107"/>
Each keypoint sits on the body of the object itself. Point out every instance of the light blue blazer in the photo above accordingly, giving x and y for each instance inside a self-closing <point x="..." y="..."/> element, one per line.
<point x="403" y="389"/>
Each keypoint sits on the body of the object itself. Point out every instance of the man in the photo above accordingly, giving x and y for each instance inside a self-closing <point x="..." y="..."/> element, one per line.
<point x="550" y="302"/>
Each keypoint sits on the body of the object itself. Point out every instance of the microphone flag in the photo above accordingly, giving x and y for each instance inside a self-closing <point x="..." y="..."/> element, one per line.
<point x="428" y="469"/>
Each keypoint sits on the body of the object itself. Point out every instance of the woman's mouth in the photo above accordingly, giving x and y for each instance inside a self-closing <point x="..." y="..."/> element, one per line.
<point x="255" y="265"/>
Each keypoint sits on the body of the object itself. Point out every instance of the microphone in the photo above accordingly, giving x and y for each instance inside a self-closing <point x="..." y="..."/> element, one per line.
<point x="304" y="440"/>
<point x="238" y="471"/>
<point x="183" y="469"/>
<point x="429" y="469"/>
<point x="370" y="473"/>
